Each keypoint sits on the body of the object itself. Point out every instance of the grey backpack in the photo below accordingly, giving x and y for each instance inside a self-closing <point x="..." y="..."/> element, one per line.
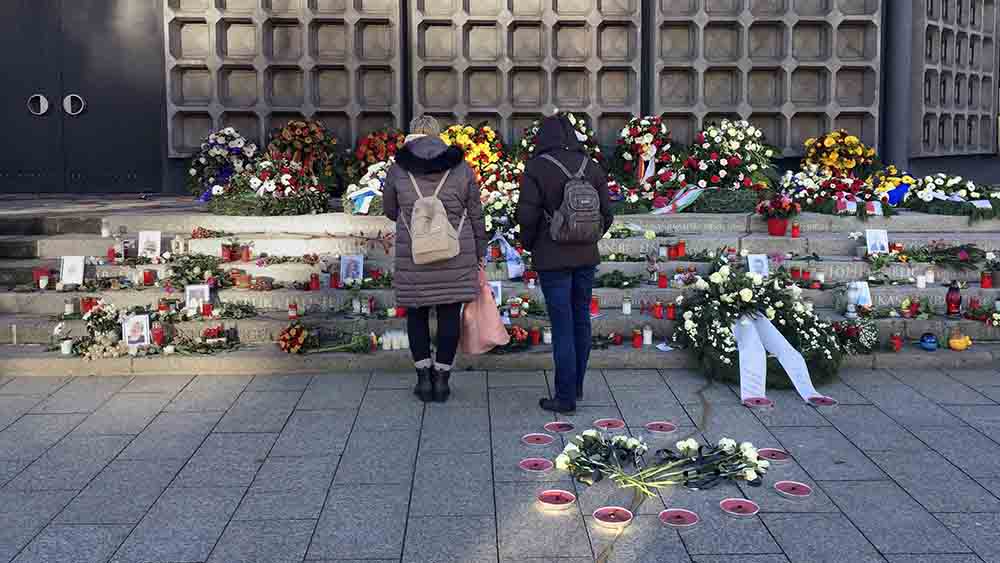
<point x="578" y="219"/>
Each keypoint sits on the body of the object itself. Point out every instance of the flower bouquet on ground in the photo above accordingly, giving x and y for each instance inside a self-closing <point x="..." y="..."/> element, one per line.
<point x="819" y="190"/>
<point x="619" y="280"/>
<point x="379" y="146"/>
<point x="584" y="133"/>
<point x="592" y="456"/>
<point x="196" y="269"/>
<point x="960" y="258"/>
<point x="481" y="145"/>
<point x="644" y="162"/>
<point x="941" y="194"/>
<point x="731" y="155"/>
<point x="365" y="197"/>
<point x="272" y="187"/>
<point x="223" y="154"/>
<point x="857" y="337"/>
<point x="306" y="143"/>
<point x="297" y="338"/>
<point x="777" y="211"/>
<point x="840" y="154"/>
<point x="499" y="190"/>
<point x="713" y="308"/>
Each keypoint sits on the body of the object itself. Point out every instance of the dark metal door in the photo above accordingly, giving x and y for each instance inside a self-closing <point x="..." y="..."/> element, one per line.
<point x="112" y="74"/>
<point x="31" y="157"/>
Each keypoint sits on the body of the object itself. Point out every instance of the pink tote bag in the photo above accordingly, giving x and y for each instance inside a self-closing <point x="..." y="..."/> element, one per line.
<point x="482" y="329"/>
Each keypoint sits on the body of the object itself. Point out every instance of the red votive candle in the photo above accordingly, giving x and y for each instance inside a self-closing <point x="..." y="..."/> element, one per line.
<point x="335" y="280"/>
<point x="806" y="275"/>
<point x="246" y="253"/>
<point x="986" y="280"/>
<point x="314" y="282"/>
<point x="158" y="334"/>
<point x="796" y="230"/>
<point x="661" y="281"/>
<point x="658" y="310"/>
<point x="206" y="309"/>
<point x="796" y="273"/>
<point x="111" y="254"/>
<point x="595" y="306"/>
<point x="637" y="338"/>
<point x="147" y="277"/>
<point x="227" y="253"/>
<point x="671" y="312"/>
<point x="681" y="248"/>
<point x="536" y="336"/>
<point x="672" y="252"/>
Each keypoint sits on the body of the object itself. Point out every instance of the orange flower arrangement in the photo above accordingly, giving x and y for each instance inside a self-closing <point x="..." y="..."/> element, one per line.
<point x="295" y="339"/>
<point x="379" y="146"/>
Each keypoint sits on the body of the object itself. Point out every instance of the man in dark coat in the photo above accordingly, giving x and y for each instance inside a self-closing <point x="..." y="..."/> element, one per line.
<point x="566" y="270"/>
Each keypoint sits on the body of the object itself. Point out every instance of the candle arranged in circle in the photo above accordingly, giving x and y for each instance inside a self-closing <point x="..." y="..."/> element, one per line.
<point x="793" y="489"/>
<point x="739" y="507"/>
<point x="614" y="517"/>
<point x="661" y="427"/>
<point x="537" y="439"/>
<point x="758" y="402"/>
<point x="535" y="465"/>
<point x="822" y="401"/>
<point x="556" y="499"/>
<point x="678" y="518"/>
<point x="559" y="427"/>
<point x="774" y="455"/>
<point x="609" y="424"/>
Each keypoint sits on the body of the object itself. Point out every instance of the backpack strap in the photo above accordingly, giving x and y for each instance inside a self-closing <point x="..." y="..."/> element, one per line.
<point x="441" y="183"/>
<point x="578" y="175"/>
<point x="415" y="185"/>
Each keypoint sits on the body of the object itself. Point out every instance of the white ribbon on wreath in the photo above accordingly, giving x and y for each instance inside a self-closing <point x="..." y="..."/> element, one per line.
<point x="755" y="337"/>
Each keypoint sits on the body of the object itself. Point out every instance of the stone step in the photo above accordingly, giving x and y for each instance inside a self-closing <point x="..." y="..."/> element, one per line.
<point x="50" y="225"/>
<point x="171" y="222"/>
<point x="54" y="246"/>
<point x="34" y="360"/>
<point x="903" y="222"/>
<point x="840" y="244"/>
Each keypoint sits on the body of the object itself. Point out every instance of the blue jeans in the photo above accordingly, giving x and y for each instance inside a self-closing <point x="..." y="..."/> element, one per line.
<point x="567" y="297"/>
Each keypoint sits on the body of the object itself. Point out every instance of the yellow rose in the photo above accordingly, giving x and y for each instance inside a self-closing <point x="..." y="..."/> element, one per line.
<point x="829" y="142"/>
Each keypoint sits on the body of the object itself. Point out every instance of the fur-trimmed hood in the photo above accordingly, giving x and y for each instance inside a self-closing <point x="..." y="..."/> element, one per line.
<point x="428" y="155"/>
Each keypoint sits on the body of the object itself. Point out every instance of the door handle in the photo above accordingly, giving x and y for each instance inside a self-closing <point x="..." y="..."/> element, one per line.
<point x="68" y="104"/>
<point x="38" y="105"/>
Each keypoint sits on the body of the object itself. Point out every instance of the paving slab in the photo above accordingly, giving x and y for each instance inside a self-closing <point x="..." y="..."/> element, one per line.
<point x="452" y="485"/>
<point x="939" y="387"/>
<point x="826" y="455"/>
<point x="633" y="378"/>
<point x="23" y="514"/>
<point x="936" y="558"/>
<point x="209" y="393"/>
<point x="731" y="420"/>
<point x="770" y="558"/>
<point x="171" y="436"/>
<point x="258" y="411"/>
<point x="378" y="457"/>
<point x="13" y="406"/>
<point x="9" y="469"/>
<point x="121" y="493"/>
<point x="891" y="519"/>
<point x="34" y="385"/>
<point x="908" y="407"/>
<point x="125" y="413"/>
<point x="950" y="490"/>
<point x="292" y="382"/>
<point x="870" y="429"/>
<point x="315" y="433"/>
<point x="361" y="522"/>
<point x="293" y="504"/>
<point x="517" y="409"/>
<point x="468" y="389"/>
<point x="640" y="405"/>
<point x="334" y="391"/>
<point x="508" y="451"/>
<point x="389" y="409"/>
<point x="607" y="493"/>
<point x="71" y="463"/>
<point x="79" y="544"/>
<point x="718" y="533"/>
<point x="965" y="447"/>
<point x="183" y="525"/>
<point x="983" y="417"/>
<point x="595" y="389"/>
<point x="169" y="384"/>
<point x="458" y="430"/>
<point x="686" y="383"/>
<point x="226" y="460"/>
<point x="770" y="501"/>
<point x="981" y="532"/>
<point x="470" y="539"/>
<point x="81" y="395"/>
<point x="516" y="378"/>
<point x="584" y="417"/>
<point x="644" y="541"/>
<point x="270" y="541"/>
<point x="789" y="410"/>
<point x="820" y="538"/>
<point x="288" y="473"/>
<point x="526" y="532"/>
<point x="32" y="434"/>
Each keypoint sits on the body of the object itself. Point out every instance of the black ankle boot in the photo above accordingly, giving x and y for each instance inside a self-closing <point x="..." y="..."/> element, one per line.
<point x="554" y="405"/>
<point x="423" y="388"/>
<point x="440" y="385"/>
<point x="579" y="392"/>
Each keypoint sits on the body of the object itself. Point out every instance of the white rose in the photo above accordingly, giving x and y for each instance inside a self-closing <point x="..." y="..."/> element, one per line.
<point x="193" y="172"/>
<point x="689" y="325"/>
<point x="746" y="295"/>
<point x="591" y="433"/>
<point x="749" y="474"/>
<point x="562" y="462"/>
<point x="218" y="190"/>
<point x="700" y="285"/>
<point x="724" y="271"/>
<point x="727" y="445"/>
<point x="716" y="278"/>
<point x="770" y="312"/>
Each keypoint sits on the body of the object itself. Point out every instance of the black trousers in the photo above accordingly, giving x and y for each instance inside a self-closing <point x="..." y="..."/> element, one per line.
<point x="418" y="323"/>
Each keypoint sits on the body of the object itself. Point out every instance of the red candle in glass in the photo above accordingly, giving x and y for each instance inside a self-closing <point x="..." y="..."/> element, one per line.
<point x="111" y="254"/>
<point x="796" y="230"/>
<point x="293" y="311"/>
<point x="953" y="300"/>
<point x="672" y="252"/>
<point x="158" y="334"/>
<point x="661" y="281"/>
<point x="400" y="312"/>
<point x="163" y="306"/>
<point x="617" y="339"/>
<point x="314" y="282"/>
<point x="335" y="280"/>
<point x="206" y="309"/>
<point x="245" y="253"/>
<point x="595" y="306"/>
<point x="796" y="273"/>
<point x="671" y="312"/>
<point x="536" y="336"/>
<point x="658" y="310"/>
<point x="681" y="249"/>
<point x="896" y="341"/>
<point x="637" y="338"/>
<point x="147" y="277"/>
<point x="806" y="275"/>
<point x="495" y="251"/>
<point x="986" y="280"/>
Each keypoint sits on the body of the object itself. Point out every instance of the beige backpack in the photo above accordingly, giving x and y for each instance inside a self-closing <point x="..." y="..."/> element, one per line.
<point x="432" y="237"/>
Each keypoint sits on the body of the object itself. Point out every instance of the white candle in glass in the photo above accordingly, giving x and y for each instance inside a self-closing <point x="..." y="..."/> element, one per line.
<point x="647" y="336"/>
<point x="921" y="282"/>
<point x="929" y="276"/>
<point x="820" y="277"/>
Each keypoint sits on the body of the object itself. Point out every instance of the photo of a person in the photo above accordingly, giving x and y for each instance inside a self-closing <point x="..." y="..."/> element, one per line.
<point x="878" y="241"/>
<point x="496" y="288"/>
<point x="136" y="330"/>
<point x="352" y="269"/>
<point x="149" y="243"/>
<point x="72" y="270"/>
<point x="758" y="264"/>
<point x="195" y="295"/>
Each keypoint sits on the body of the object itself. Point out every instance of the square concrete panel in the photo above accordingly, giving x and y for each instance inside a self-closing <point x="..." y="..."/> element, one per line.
<point x="189" y="39"/>
<point x="768" y="7"/>
<point x="328" y="6"/>
<point x="283" y="40"/>
<point x="572" y="7"/>
<point x="189" y="130"/>
<point x="572" y="88"/>
<point x="856" y="86"/>
<point x="807" y="126"/>
<point x="678" y="42"/>
<point x="677" y="87"/>
<point x="285" y="86"/>
<point x="931" y="90"/>
<point x="772" y="125"/>
<point x="861" y="124"/>
<point x="618" y="7"/>
<point x="438" y="88"/>
<point x="860" y="7"/>
<point x="237" y="39"/>
<point x="520" y="122"/>
<point x="339" y="124"/>
<point x="678" y="7"/>
<point x="438" y="7"/>
<point x="332" y="87"/>
<point x="722" y="42"/>
<point x="571" y="43"/>
<point x="373" y="121"/>
<point x="238" y="86"/>
<point x="812" y="7"/>
<point x="279" y="119"/>
<point x="374" y="40"/>
<point x="248" y="124"/>
<point x="766" y="88"/>
<point x="490" y="120"/>
<point x="616" y="43"/>
<point x="616" y="88"/>
<point x="188" y="5"/>
<point x="811" y="42"/>
<point x="522" y="8"/>
<point x="483" y="88"/>
<point x="377" y="86"/>
<point x="482" y="42"/>
<point x="191" y="86"/>
<point x="682" y="126"/>
<point x="436" y="42"/>
<point x="767" y="42"/>
<point x="528" y="87"/>
<point x="328" y="40"/>
<point x="810" y="86"/>
<point x="283" y="6"/>
<point x="526" y="42"/>
<point x="484" y="7"/>
<point x="609" y="126"/>
<point x="723" y="7"/>
<point x="857" y="41"/>
<point x="244" y="6"/>
<point x="722" y="87"/>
